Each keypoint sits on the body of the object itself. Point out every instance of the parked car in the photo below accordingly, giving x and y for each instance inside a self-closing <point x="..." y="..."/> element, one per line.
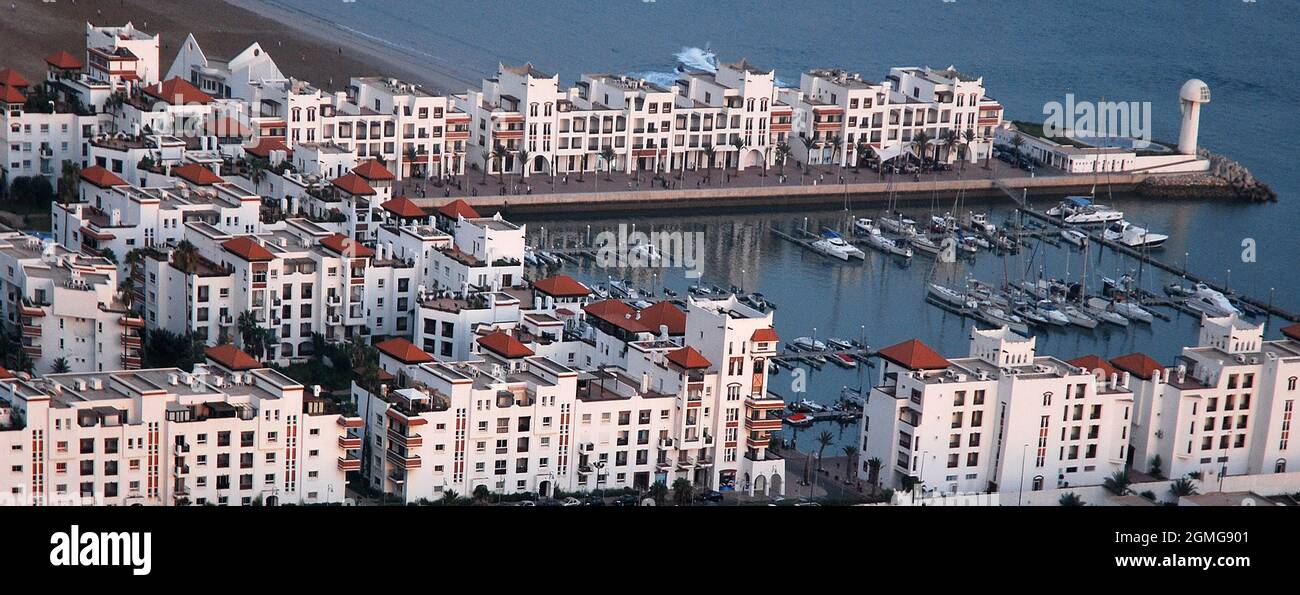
<point x="525" y="503"/>
<point x="570" y="501"/>
<point x="627" y="500"/>
<point x="594" y="501"/>
<point x="709" y="496"/>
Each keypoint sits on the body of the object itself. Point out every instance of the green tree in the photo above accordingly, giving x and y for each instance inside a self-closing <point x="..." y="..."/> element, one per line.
<point x="919" y="144"/>
<point x="873" y="472"/>
<point x="1156" y="464"/>
<point x="1182" y="487"/>
<point x="782" y="153"/>
<point x="739" y="145"/>
<point x="1070" y="499"/>
<point x="659" y="491"/>
<point x="60" y="366"/>
<point x="607" y="153"/>
<point x="1117" y="483"/>
<point x="850" y="453"/>
<point x="708" y="151"/>
<point x="185" y="256"/>
<point x="482" y="493"/>
<point x="500" y="153"/>
<point x="809" y="145"/>
<point x="824" y="439"/>
<point x="682" y="491"/>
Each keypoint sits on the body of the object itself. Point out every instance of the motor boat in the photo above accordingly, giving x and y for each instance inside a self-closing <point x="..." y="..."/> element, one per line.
<point x="1047" y="309"/>
<point x="979" y="223"/>
<point x="844" y="360"/>
<point x="809" y="344"/>
<point x="798" y="419"/>
<point x="622" y="288"/>
<point x="865" y="226"/>
<point x="644" y="252"/>
<point x="1074" y="236"/>
<point x="1030" y="315"/>
<point x="1211" y="302"/>
<point x="1080" y="210"/>
<point x="1178" y="291"/>
<point x="949" y="296"/>
<point x="1133" y="236"/>
<point x="840" y="343"/>
<point x="530" y="258"/>
<point x="831" y="244"/>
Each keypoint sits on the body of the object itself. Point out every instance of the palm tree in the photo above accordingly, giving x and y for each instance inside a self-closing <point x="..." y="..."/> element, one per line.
<point x="782" y="153"/>
<point x="186" y="256"/>
<point x="60" y="366"/>
<point x="860" y="153"/>
<point x="708" y="152"/>
<point x="608" y="155"/>
<point x="1016" y="142"/>
<point x="523" y="162"/>
<point x="251" y="335"/>
<point x="949" y="140"/>
<point x="1182" y="487"/>
<point x="739" y="144"/>
<point x="824" y="439"/>
<point x="69" y="188"/>
<point x="851" y="468"/>
<point x="919" y="144"/>
<point x="835" y="140"/>
<point x="1117" y="483"/>
<point x="873" y="472"/>
<point x="487" y="161"/>
<point x="500" y="153"/>
<point x="809" y="145"/>
<point x="658" y="491"/>
<point x="968" y="138"/>
<point x="682" y="491"/>
<point x="1070" y="499"/>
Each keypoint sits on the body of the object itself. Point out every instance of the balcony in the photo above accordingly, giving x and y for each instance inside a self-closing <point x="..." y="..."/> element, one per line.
<point x="32" y="350"/>
<point x="666" y="443"/>
<point x="226" y="320"/>
<point x="664" y="464"/>
<point x="132" y="341"/>
<point x="334" y="320"/>
<point x="30" y="330"/>
<point x="333" y="299"/>
<point x="351" y="422"/>
<point x="349" y="442"/>
<point x="349" y="464"/>
<point x="404" y="461"/>
<point x="586" y="447"/>
<point x="405" y="440"/>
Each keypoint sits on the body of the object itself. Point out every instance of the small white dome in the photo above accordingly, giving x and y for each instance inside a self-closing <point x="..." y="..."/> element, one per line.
<point x="1195" y="91"/>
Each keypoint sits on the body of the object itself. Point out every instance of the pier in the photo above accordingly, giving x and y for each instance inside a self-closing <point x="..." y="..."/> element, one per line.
<point x="1265" y="306"/>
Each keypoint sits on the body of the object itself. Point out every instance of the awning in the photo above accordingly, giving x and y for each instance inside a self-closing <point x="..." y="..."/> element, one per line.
<point x="887" y="153"/>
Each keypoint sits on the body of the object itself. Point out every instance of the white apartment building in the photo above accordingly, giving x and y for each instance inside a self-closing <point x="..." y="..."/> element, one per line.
<point x="123" y="57"/>
<point x="1225" y="408"/>
<point x="648" y="128"/>
<point x="296" y="278"/>
<point x="229" y="433"/>
<point x="841" y="114"/>
<point x="235" y="77"/>
<point x="514" y="418"/>
<point x="66" y="307"/>
<point x="36" y="143"/>
<point x="1001" y="420"/>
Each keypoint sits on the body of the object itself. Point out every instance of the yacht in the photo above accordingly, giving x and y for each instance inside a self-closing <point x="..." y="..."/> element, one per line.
<point x="622" y="288"/>
<point x="884" y="244"/>
<point x="831" y="244"/>
<point x="1077" y="317"/>
<point x="1047" y="309"/>
<point x="1074" y="236"/>
<point x="645" y="252"/>
<point x="924" y="245"/>
<point x="1211" y="302"/>
<point x="530" y="258"/>
<point x="1133" y="311"/>
<point x="840" y="343"/>
<point x="1106" y="316"/>
<point x="898" y="224"/>
<point x="1133" y="236"/>
<point x="998" y="317"/>
<point x="979" y="223"/>
<point x="1080" y="210"/>
<point x="949" y="296"/>
<point x="809" y="344"/>
<point x="1030" y="315"/>
<point x="864" y="226"/>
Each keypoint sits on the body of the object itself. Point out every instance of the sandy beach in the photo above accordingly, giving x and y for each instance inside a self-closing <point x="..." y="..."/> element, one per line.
<point x="302" y="47"/>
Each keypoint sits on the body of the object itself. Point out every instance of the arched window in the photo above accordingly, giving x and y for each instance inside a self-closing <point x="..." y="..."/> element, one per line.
<point x="1279" y="466"/>
<point x="759" y="366"/>
<point x="1047" y="399"/>
<point x="1290" y="383"/>
<point x="1038" y="483"/>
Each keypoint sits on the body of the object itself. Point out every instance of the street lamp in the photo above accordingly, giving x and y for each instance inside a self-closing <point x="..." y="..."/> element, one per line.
<point x="1020" y="491"/>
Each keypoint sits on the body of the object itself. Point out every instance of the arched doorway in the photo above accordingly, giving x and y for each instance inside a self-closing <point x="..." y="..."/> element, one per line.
<point x="752" y="158"/>
<point x="760" y="485"/>
<point x="775" y="486"/>
<point x="544" y="489"/>
<point x="272" y="500"/>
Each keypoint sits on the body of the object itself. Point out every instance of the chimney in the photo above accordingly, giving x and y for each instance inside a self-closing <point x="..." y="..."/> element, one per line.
<point x="645" y="382"/>
<point x="315" y="390"/>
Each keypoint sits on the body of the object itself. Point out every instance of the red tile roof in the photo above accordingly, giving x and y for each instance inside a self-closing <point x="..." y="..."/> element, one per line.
<point x="765" y="335"/>
<point x="10" y="78"/>
<point x="687" y="357"/>
<point x="404" y="351"/>
<point x="177" y="91"/>
<point x="616" y="313"/>
<point x="404" y="207"/>
<point x="353" y="184"/>
<point x="664" y="314"/>
<point x="1138" y="364"/>
<point x="63" y="61"/>
<point x="914" y="355"/>
<point x="11" y="95"/>
<point x="374" y="171"/>
<point x="561" y="286"/>
<point x="458" y="207"/>
<point x="1292" y="331"/>
<point x="101" y="177"/>
<point x="505" y="345"/>
<point x="248" y="249"/>
<point x="1092" y="363"/>
<point x="196" y="174"/>
<point x="5" y="373"/>
<point x="345" y="246"/>
<point x="232" y="358"/>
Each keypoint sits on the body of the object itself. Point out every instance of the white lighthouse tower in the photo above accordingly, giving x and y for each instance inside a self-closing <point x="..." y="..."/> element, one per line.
<point x="1193" y="94"/>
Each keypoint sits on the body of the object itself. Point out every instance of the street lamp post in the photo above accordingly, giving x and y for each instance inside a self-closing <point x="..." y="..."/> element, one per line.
<point x="1020" y="491"/>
